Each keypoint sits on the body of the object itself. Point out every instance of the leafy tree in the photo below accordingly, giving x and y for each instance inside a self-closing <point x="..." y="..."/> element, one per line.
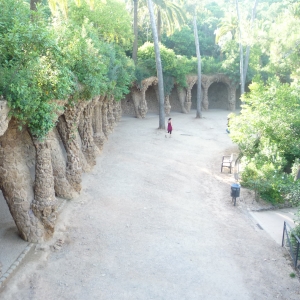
<point x="33" y="70"/>
<point x="175" y="66"/>
<point x="182" y="41"/>
<point x="268" y="140"/>
<point x="73" y="56"/>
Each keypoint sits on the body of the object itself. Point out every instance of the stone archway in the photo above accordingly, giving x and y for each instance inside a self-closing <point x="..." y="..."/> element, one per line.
<point x="184" y="95"/>
<point x="218" y="96"/>
<point x="207" y="81"/>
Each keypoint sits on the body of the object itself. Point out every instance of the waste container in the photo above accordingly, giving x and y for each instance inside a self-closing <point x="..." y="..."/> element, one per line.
<point x="235" y="190"/>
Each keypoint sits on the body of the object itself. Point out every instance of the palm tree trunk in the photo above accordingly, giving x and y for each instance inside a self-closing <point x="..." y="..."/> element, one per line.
<point x="241" y="51"/>
<point x="159" y="25"/>
<point x="198" y="114"/>
<point x="248" y="47"/>
<point x="135" y="30"/>
<point x="158" y="68"/>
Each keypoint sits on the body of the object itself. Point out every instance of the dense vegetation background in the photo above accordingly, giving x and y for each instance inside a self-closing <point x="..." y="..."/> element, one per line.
<point x="71" y="50"/>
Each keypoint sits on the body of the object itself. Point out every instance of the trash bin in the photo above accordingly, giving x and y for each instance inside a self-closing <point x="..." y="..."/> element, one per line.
<point x="235" y="190"/>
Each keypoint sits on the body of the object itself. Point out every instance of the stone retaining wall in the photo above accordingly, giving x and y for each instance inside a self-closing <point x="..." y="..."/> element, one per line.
<point x="33" y="172"/>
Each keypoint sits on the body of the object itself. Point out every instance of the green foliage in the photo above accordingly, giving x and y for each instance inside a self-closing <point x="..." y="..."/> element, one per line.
<point x="78" y="57"/>
<point x="84" y="58"/>
<point x="211" y="65"/>
<point x="110" y="20"/>
<point x="181" y="41"/>
<point x="95" y="42"/>
<point x="183" y="67"/>
<point x="269" y="140"/>
<point x="295" y="232"/>
<point x="146" y="57"/>
<point x="32" y="70"/>
<point x="146" y="61"/>
<point x="121" y="73"/>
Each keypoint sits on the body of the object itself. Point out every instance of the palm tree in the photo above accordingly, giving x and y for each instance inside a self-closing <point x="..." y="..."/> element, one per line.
<point x="244" y="64"/>
<point x="228" y="24"/>
<point x="169" y="16"/>
<point x="198" y="114"/>
<point x="158" y="67"/>
<point x="248" y="46"/>
<point x="135" y="30"/>
<point x="241" y="50"/>
<point x="233" y="24"/>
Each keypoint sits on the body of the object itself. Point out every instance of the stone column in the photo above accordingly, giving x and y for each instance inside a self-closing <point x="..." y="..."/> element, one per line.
<point x="89" y="148"/>
<point x="232" y="98"/>
<point x="44" y="203"/>
<point x="99" y="136"/>
<point x="181" y="92"/>
<point x="205" y="97"/>
<point x="68" y="130"/>
<point x="191" y="80"/>
<point x="143" y="108"/>
<point x="188" y="103"/>
<point x="136" y="98"/>
<point x="118" y="114"/>
<point x="110" y="114"/>
<point x="62" y="186"/>
<point x="167" y="105"/>
<point x="16" y="182"/>
<point x="105" y="125"/>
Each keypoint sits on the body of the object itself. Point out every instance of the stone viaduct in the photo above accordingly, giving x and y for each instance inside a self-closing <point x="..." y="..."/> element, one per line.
<point x="34" y="173"/>
<point x="140" y="99"/>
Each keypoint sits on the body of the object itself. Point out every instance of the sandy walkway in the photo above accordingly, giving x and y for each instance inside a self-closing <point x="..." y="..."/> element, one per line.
<point x="155" y="221"/>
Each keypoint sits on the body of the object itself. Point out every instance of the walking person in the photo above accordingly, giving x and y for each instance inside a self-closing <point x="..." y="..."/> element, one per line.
<point x="170" y="126"/>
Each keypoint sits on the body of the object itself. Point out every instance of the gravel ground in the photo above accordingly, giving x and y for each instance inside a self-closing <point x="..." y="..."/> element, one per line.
<point x="155" y="221"/>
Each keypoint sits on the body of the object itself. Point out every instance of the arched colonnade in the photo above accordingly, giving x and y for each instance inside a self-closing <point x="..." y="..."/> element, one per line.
<point x="140" y="102"/>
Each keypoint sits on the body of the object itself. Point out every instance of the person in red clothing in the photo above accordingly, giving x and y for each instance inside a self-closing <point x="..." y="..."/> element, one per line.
<point x="170" y="127"/>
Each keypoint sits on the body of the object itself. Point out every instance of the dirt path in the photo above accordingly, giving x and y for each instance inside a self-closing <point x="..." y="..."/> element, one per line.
<point x="155" y="221"/>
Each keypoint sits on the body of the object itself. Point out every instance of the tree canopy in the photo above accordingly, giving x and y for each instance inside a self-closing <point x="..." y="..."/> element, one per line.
<point x="71" y="56"/>
<point x="71" y="50"/>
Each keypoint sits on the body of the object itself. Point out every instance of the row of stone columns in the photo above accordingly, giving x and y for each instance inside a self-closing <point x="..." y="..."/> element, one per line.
<point x="184" y="94"/>
<point x="34" y="172"/>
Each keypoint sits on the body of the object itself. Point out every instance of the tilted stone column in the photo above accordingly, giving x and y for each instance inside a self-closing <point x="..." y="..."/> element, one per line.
<point x="205" y="98"/>
<point x="99" y="136"/>
<point x="136" y="98"/>
<point x="88" y="146"/>
<point x="105" y="125"/>
<point x="44" y="203"/>
<point x="181" y="92"/>
<point x="118" y="110"/>
<point x="188" y="103"/>
<point x="110" y="114"/>
<point x="62" y="186"/>
<point x="232" y="98"/>
<point x="167" y="105"/>
<point x="16" y="182"/>
<point x="68" y="130"/>
<point x="191" y="80"/>
<point x="143" y="108"/>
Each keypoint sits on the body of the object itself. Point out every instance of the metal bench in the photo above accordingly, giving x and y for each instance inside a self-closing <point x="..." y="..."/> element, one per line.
<point x="227" y="161"/>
